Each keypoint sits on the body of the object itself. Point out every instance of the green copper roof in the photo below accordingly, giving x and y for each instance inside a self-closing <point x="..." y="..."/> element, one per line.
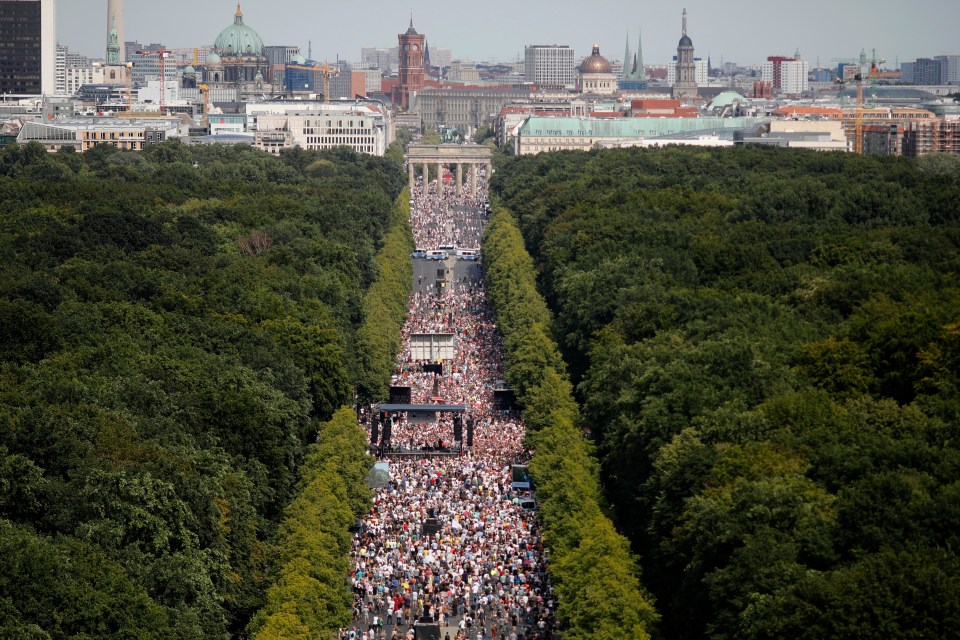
<point x="238" y="39"/>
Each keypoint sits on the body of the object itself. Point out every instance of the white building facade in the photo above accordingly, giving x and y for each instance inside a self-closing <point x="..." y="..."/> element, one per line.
<point x="363" y="127"/>
<point x="699" y="73"/>
<point x="549" y="65"/>
<point x="794" y="77"/>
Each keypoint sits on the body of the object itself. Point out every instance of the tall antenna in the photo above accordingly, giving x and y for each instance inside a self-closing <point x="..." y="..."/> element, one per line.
<point x="309" y="49"/>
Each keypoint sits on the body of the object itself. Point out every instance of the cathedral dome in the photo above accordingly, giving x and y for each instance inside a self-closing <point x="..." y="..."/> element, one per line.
<point x="685" y="41"/>
<point x="213" y="59"/>
<point x="238" y="39"/>
<point x="596" y="63"/>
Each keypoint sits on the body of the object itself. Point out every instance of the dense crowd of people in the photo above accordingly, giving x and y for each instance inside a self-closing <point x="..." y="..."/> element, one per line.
<point x="448" y="540"/>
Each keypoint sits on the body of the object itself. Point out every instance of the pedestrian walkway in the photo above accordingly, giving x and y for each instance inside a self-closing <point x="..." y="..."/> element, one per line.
<point x="477" y="568"/>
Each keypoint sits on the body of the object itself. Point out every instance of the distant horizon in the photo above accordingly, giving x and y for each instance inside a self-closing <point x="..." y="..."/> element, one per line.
<point x="822" y="31"/>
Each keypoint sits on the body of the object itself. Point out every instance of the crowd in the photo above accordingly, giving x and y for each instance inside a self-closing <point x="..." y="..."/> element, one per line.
<point x="448" y="540"/>
<point x="448" y="218"/>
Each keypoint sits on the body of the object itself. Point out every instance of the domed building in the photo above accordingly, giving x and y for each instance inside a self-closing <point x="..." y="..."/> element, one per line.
<point x="686" y="83"/>
<point x="238" y="61"/>
<point x="596" y="74"/>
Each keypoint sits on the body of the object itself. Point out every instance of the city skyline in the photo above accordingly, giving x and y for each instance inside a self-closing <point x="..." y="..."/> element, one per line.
<point x="820" y="31"/>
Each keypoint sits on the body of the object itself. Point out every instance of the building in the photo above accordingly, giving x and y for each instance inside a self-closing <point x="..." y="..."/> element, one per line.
<point x="771" y="71"/>
<point x="596" y="75"/>
<point x="411" y="72"/>
<point x="928" y="71"/>
<point x="133" y="134"/>
<point x="803" y="112"/>
<point x="146" y="67"/>
<point x="931" y="136"/>
<point x="440" y="57"/>
<point x="906" y="72"/>
<point x="549" y="66"/>
<point x="362" y="126"/>
<point x="28" y="47"/>
<point x="239" y="68"/>
<point x="794" y="76"/>
<point x="542" y="134"/>
<point x="73" y="70"/>
<point x="278" y="57"/>
<point x="386" y="59"/>
<point x="913" y="138"/>
<point x="469" y="109"/>
<point x="371" y="78"/>
<point x="883" y="139"/>
<point x="700" y="73"/>
<point x="464" y="71"/>
<point x="949" y="69"/>
<point x="653" y="108"/>
<point x="633" y="76"/>
<point x="686" y="84"/>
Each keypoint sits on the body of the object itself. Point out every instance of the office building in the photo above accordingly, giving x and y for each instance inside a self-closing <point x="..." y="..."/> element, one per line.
<point x="469" y="109"/>
<point x="384" y="58"/>
<point x="362" y="126"/>
<point x="28" y="47"/>
<point x="949" y="69"/>
<point x="464" y="71"/>
<point x="928" y="71"/>
<point x="794" y="77"/>
<point x="549" y="66"/>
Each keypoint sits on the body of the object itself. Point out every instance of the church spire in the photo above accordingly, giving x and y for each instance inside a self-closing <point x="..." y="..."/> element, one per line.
<point x="238" y="16"/>
<point x="684" y="21"/>
<point x="627" y="67"/>
<point x="639" y="72"/>
<point x="113" y="45"/>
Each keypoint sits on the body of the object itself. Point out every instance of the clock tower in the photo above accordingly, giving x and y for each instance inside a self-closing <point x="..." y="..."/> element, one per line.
<point x="410" y="80"/>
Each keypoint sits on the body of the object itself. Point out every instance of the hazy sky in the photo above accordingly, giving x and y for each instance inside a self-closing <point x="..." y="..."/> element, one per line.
<point x="745" y="33"/>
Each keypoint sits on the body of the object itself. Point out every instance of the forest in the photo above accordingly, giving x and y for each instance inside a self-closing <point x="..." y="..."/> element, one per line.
<point x="179" y="329"/>
<point x="765" y="349"/>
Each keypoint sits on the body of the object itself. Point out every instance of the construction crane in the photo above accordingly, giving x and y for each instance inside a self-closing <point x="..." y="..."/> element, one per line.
<point x="327" y="72"/>
<point x="875" y="63"/>
<point x="840" y="82"/>
<point x="161" y="53"/>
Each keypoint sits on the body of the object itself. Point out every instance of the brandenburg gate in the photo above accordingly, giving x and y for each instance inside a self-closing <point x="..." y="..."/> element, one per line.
<point x="472" y="155"/>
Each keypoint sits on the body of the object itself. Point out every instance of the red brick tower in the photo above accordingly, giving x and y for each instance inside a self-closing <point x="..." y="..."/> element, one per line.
<point x="410" y="79"/>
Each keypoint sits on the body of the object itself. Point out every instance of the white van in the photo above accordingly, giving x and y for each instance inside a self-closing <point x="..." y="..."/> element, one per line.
<point x="436" y="254"/>
<point x="468" y="254"/>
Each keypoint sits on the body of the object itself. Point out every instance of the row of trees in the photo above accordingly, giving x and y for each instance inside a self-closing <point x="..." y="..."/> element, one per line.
<point x="765" y="345"/>
<point x="309" y="598"/>
<point x="385" y="306"/>
<point x="593" y="572"/>
<point x="174" y="326"/>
